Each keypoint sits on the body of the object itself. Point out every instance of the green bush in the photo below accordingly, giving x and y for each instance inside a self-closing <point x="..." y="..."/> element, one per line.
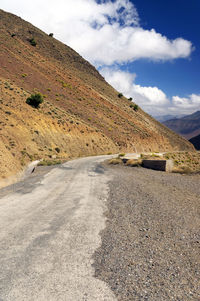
<point x="35" y="100"/>
<point x="33" y="42"/>
<point x="130" y="98"/>
<point x="121" y="155"/>
<point x="120" y="95"/>
<point x="51" y="34"/>
<point x="135" y="108"/>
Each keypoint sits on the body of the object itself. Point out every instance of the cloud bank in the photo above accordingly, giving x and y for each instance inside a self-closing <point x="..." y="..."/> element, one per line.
<point x="108" y="32"/>
<point x="104" y="33"/>
<point x="151" y="99"/>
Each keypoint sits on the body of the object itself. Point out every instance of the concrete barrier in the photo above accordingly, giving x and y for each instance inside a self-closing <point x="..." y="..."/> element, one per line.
<point x="163" y="165"/>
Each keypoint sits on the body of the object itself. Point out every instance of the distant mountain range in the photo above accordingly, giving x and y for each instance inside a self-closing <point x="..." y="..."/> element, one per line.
<point x="187" y="126"/>
<point x="167" y="117"/>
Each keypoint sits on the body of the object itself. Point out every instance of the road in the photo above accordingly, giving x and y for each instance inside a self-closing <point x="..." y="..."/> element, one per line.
<point x="49" y="231"/>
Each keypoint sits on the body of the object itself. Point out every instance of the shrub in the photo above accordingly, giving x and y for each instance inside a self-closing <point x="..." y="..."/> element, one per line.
<point x="115" y="161"/>
<point x="121" y="155"/>
<point x="33" y="42"/>
<point x="51" y="35"/>
<point x="120" y="95"/>
<point x="135" y="108"/>
<point x="134" y="163"/>
<point x="130" y="98"/>
<point x="35" y="100"/>
<point x="57" y="149"/>
<point x="49" y="162"/>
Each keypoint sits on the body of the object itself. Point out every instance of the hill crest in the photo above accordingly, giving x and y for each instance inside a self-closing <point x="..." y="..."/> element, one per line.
<point x="81" y="115"/>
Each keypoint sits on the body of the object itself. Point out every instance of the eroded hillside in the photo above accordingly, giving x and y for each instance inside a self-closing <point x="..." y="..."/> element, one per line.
<point x="81" y="114"/>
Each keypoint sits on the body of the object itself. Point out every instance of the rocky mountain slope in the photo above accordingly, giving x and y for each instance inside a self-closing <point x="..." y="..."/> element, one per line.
<point x="187" y="126"/>
<point x="81" y="113"/>
<point x="196" y="142"/>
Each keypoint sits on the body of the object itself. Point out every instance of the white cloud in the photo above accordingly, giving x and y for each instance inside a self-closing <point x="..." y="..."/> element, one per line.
<point x="151" y="99"/>
<point x="191" y="103"/>
<point x="106" y="33"/>
<point x="103" y="33"/>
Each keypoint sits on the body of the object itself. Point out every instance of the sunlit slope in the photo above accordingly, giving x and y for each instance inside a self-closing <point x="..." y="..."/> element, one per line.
<point x="81" y="114"/>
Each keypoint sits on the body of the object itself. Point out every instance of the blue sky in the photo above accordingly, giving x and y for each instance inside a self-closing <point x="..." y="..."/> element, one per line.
<point x="146" y="49"/>
<point x="172" y="18"/>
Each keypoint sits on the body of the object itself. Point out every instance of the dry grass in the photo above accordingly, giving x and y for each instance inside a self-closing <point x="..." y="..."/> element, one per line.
<point x="185" y="162"/>
<point x="134" y="162"/>
<point x="115" y="161"/>
<point x="49" y="162"/>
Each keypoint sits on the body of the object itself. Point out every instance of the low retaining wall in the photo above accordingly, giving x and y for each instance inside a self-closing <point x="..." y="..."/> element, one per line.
<point x="163" y="165"/>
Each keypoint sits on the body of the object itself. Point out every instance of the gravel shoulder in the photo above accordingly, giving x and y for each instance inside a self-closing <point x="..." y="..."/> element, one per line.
<point x="151" y="243"/>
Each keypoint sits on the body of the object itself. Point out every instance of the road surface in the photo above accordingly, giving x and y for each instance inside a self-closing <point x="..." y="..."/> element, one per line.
<point x="49" y="231"/>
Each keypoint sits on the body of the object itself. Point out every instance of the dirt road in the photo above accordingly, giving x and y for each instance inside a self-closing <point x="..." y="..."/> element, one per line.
<point x="50" y="227"/>
<point x="49" y="230"/>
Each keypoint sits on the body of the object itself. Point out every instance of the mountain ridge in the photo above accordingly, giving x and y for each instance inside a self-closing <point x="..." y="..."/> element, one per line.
<point x="196" y="142"/>
<point x="81" y="114"/>
<point x="187" y="126"/>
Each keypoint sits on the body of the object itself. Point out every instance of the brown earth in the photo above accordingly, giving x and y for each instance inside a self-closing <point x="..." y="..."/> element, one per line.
<point x="81" y="115"/>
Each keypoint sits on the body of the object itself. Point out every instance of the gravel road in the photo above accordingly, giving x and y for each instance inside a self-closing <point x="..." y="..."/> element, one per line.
<point x="49" y="230"/>
<point x="151" y="245"/>
<point x="50" y="244"/>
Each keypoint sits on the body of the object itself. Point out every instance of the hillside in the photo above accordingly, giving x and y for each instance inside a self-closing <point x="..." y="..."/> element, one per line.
<point x="81" y="115"/>
<point x="196" y="142"/>
<point x="187" y="126"/>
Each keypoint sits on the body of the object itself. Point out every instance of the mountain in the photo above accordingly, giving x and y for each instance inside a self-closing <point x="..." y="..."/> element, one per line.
<point x="81" y="113"/>
<point x="196" y="142"/>
<point x="187" y="126"/>
<point x="163" y="118"/>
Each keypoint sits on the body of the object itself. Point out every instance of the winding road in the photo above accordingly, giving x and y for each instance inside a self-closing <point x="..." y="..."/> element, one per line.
<point x="49" y="231"/>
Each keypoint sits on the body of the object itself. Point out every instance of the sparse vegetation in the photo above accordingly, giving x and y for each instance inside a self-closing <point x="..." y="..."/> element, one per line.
<point x="185" y="162"/>
<point x="33" y="42"/>
<point x="134" y="107"/>
<point x="115" y="161"/>
<point x="120" y="95"/>
<point x="57" y="149"/>
<point x="134" y="163"/>
<point x="35" y="100"/>
<point x="122" y="155"/>
<point x="49" y="162"/>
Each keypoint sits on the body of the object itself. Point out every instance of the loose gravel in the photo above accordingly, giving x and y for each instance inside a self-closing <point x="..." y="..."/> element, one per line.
<point x="151" y="243"/>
